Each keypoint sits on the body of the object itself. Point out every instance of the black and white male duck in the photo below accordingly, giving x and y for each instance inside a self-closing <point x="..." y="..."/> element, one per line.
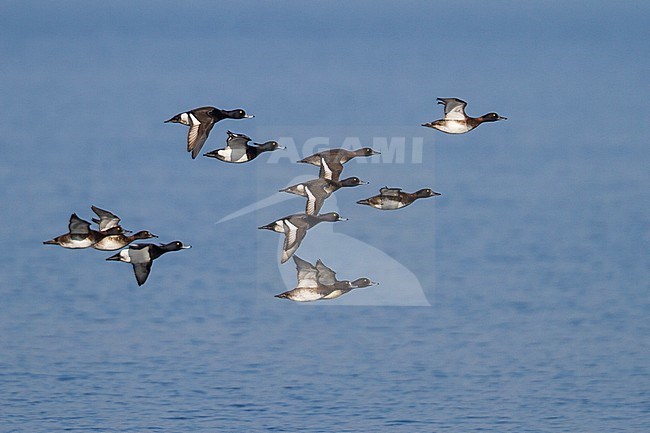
<point x="331" y="161"/>
<point x="141" y="256"/>
<point x="238" y="150"/>
<point x="201" y="120"/>
<point x="319" y="282"/>
<point x="294" y="227"/>
<point x="317" y="190"/>
<point x="395" y="198"/>
<point x="456" y="121"/>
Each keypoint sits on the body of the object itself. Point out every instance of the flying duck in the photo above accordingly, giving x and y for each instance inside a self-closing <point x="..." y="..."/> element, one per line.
<point x="238" y="150"/>
<point x="317" y="190"/>
<point x="456" y="121"/>
<point x="201" y="120"/>
<point x="141" y="256"/>
<point x="80" y="235"/>
<point x="331" y="161"/>
<point x="395" y="198"/>
<point x="319" y="282"/>
<point x="294" y="227"/>
<point x="115" y="242"/>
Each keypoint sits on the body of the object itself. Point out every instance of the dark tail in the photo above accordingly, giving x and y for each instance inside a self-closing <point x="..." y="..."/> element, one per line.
<point x="175" y="119"/>
<point x="50" y="242"/>
<point x="212" y="154"/>
<point x="364" y="201"/>
<point x="114" y="257"/>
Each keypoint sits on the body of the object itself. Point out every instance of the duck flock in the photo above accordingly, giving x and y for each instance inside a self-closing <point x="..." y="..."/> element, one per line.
<point x="314" y="281"/>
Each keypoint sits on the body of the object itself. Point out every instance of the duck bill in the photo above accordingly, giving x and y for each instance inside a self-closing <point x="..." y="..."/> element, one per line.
<point x="249" y="116"/>
<point x="502" y="118"/>
<point x="185" y="247"/>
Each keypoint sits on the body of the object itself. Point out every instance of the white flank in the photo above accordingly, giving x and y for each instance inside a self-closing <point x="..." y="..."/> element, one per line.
<point x="225" y="153"/>
<point x="124" y="256"/>
<point x="304" y="295"/>
<point x="454" y="127"/>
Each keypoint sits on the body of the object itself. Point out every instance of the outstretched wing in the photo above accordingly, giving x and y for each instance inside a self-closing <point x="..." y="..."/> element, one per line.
<point x="293" y="236"/>
<point x="197" y="134"/>
<point x="316" y="195"/>
<point x="77" y="226"/>
<point x="326" y="276"/>
<point x="141" y="271"/>
<point x="307" y="273"/>
<point x="330" y="168"/>
<point x="454" y="108"/>
<point x="107" y="220"/>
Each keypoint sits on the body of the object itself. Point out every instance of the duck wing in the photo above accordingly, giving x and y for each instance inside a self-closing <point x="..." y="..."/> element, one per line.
<point x="77" y="226"/>
<point x="293" y="236"/>
<point x="330" y="168"/>
<point x="237" y="144"/>
<point x="141" y="271"/>
<point x="316" y="195"/>
<point x="454" y="108"/>
<point x="200" y="126"/>
<point x="326" y="276"/>
<point x="107" y="220"/>
<point x="307" y="273"/>
<point x="390" y="192"/>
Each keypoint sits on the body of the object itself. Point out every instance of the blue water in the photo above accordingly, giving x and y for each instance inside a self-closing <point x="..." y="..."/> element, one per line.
<point x="534" y="260"/>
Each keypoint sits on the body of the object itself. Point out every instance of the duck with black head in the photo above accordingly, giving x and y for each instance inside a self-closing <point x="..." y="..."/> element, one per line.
<point x="141" y="256"/>
<point x="294" y="227"/>
<point x="238" y="150"/>
<point x="201" y="120"/>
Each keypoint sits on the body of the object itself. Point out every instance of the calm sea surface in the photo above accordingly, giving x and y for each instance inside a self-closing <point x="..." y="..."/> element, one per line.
<point x="531" y="270"/>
